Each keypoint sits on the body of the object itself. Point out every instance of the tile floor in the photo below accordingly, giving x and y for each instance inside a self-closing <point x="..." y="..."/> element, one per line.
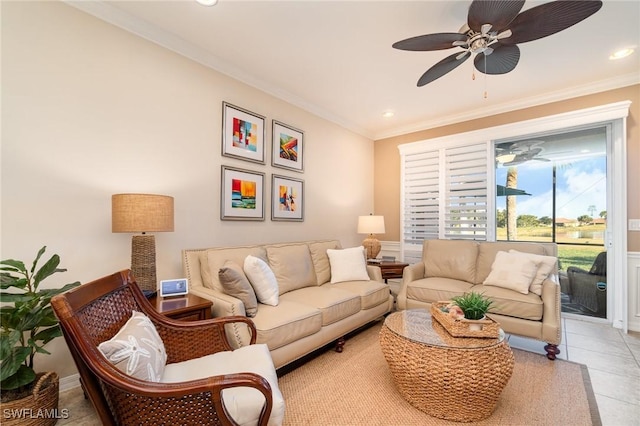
<point x="613" y="359"/>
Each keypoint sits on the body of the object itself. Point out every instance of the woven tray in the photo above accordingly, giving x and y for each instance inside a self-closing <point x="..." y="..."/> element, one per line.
<point x="461" y="328"/>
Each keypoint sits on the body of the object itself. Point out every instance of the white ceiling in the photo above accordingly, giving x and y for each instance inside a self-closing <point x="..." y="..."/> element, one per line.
<point x="334" y="58"/>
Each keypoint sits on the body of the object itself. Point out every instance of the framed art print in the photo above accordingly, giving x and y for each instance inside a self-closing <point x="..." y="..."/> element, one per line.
<point x="288" y="144"/>
<point x="242" y="194"/>
<point x="243" y="134"/>
<point x="287" y="200"/>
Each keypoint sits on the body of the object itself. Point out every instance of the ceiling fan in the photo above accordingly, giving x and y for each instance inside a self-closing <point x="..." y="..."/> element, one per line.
<point x="519" y="152"/>
<point x="492" y="32"/>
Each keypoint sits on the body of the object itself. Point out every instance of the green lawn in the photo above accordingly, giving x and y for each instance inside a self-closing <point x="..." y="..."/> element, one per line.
<point x="581" y="256"/>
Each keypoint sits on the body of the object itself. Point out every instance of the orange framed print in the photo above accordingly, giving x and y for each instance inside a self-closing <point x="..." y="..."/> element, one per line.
<point x="243" y="134"/>
<point x="242" y="194"/>
<point x="288" y="144"/>
<point x="287" y="202"/>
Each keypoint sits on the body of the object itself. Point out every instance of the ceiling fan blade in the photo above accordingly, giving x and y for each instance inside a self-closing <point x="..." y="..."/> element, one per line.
<point x="549" y="18"/>
<point x="441" y="68"/>
<point x="502" y="60"/>
<point x="497" y="13"/>
<point x="438" y="41"/>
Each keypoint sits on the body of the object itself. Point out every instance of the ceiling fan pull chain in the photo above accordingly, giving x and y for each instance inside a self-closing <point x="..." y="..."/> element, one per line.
<point x="485" y="77"/>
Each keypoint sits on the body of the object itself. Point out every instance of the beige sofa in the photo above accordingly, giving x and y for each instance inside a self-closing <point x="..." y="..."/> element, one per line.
<point x="453" y="267"/>
<point x="311" y="312"/>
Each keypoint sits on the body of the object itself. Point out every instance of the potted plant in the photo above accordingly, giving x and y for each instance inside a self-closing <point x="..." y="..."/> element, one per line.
<point x="474" y="305"/>
<point x="27" y="324"/>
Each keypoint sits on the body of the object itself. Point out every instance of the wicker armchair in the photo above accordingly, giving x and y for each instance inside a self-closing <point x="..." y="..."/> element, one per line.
<point x="589" y="288"/>
<point x="95" y="312"/>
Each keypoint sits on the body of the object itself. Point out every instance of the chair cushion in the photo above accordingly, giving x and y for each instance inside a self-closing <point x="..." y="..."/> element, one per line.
<point x="546" y="265"/>
<point x="455" y="259"/>
<point x="348" y="264"/>
<point x="242" y="403"/>
<point x="137" y="349"/>
<point x="436" y="289"/>
<point x="512" y="271"/>
<point x="262" y="280"/>
<point x="511" y="303"/>
<point x="235" y="283"/>
<point x="292" y="266"/>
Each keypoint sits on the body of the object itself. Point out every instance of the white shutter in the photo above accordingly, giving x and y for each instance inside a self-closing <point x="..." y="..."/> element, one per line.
<point x="444" y="195"/>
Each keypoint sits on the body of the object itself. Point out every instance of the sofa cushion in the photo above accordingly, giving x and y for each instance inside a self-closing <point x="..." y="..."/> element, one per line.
<point x="320" y="258"/>
<point x="455" y="259"/>
<point x="292" y="266"/>
<point x="513" y="304"/>
<point x="244" y="404"/>
<point x="288" y="322"/>
<point x="235" y="283"/>
<point x="436" y="289"/>
<point x="546" y="265"/>
<point x="348" y="264"/>
<point x="487" y="254"/>
<point x="262" y="280"/>
<point x="334" y="303"/>
<point x="372" y="293"/>
<point x="137" y="349"/>
<point x="512" y="271"/>
<point x="213" y="259"/>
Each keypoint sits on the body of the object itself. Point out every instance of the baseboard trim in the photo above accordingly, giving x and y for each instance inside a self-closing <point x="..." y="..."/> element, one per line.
<point x="69" y="382"/>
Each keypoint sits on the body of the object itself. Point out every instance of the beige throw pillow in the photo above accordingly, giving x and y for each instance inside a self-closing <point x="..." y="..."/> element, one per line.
<point x="512" y="272"/>
<point x="262" y="280"/>
<point x="348" y="265"/>
<point x="137" y="349"/>
<point x="235" y="283"/>
<point x="546" y="264"/>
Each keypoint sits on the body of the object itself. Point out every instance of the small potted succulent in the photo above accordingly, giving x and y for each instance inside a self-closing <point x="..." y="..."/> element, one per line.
<point x="473" y="305"/>
<point x="27" y="324"/>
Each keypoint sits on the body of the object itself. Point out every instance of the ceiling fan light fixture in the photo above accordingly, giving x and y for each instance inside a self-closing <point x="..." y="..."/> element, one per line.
<point x="388" y="114"/>
<point x="207" y="2"/>
<point x="505" y="158"/>
<point x="621" y="53"/>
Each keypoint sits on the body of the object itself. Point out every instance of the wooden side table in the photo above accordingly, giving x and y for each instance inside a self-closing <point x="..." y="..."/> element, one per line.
<point x="390" y="269"/>
<point x="185" y="308"/>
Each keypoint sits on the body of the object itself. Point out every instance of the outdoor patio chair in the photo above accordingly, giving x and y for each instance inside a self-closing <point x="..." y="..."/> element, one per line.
<point x="94" y="312"/>
<point x="589" y="288"/>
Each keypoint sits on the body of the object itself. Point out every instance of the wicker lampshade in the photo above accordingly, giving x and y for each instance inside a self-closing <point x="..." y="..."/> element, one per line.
<point x="142" y="213"/>
<point x="371" y="225"/>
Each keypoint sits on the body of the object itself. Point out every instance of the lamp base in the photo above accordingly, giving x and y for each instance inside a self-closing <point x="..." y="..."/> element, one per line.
<point x="143" y="261"/>
<point x="372" y="247"/>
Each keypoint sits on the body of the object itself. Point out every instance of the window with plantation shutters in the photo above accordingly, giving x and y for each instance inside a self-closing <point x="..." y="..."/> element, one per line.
<point x="444" y="195"/>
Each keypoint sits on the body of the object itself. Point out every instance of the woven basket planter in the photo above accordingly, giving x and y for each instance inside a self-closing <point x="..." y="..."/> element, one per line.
<point x="38" y="409"/>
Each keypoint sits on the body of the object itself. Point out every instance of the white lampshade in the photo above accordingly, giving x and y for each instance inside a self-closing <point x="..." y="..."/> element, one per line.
<point x="371" y="224"/>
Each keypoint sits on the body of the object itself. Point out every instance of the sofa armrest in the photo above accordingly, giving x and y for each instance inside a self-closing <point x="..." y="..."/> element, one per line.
<point x="410" y="273"/>
<point x="375" y="273"/>
<point x="551" y="323"/>
<point x="223" y="304"/>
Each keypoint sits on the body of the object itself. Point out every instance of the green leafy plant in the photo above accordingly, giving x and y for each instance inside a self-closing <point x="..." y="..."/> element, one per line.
<point x="474" y="305"/>
<point x="26" y="318"/>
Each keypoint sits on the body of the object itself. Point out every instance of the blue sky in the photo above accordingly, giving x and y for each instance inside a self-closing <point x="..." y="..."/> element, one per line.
<point x="580" y="184"/>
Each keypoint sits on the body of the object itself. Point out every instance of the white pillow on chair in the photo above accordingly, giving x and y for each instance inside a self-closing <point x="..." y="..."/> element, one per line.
<point x="512" y="271"/>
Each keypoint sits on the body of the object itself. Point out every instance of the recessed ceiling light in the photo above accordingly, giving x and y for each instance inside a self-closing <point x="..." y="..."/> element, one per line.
<point x="207" y="2"/>
<point x="388" y="114"/>
<point x="622" y="53"/>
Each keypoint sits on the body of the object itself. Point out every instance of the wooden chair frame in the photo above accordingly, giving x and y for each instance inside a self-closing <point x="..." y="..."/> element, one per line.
<point x="94" y="312"/>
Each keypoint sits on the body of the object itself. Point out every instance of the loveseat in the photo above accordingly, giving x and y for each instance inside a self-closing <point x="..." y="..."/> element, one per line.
<point x="526" y="298"/>
<point x="310" y="311"/>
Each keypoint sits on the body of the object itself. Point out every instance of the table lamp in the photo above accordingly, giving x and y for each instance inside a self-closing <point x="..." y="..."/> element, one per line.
<point x="371" y="225"/>
<point x="142" y="213"/>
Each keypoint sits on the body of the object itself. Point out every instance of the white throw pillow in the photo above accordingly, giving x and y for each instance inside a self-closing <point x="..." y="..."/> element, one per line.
<point x="262" y="280"/>
<point x="348" y="265"/>
<point x="512" y="271"/>
<point x="137" y="349"/>
<point x="545" y="267"/>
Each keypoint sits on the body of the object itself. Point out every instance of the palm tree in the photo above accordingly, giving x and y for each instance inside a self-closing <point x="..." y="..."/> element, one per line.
<point x="512" y="182"/>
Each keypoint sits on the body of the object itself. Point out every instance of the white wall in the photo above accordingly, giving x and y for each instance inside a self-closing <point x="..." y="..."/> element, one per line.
<point x="89" y="110"/>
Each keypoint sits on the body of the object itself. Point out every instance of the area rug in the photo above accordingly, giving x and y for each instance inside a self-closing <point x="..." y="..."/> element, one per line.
<point x="355" y="387"/>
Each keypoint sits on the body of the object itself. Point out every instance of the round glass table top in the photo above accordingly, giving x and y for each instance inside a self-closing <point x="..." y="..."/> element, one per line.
<point x="418" y="326"/>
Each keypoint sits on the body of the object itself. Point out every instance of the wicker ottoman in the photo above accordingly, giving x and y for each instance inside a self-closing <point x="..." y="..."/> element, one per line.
<point x="452" y="378"/>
